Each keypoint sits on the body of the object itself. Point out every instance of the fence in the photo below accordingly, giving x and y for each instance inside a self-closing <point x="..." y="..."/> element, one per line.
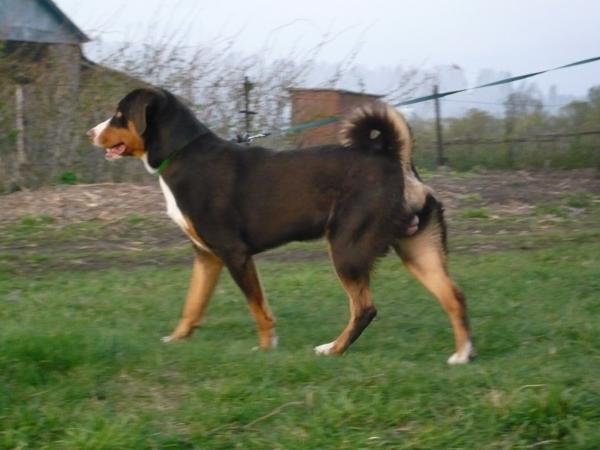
<point x="526" y="121"/>
<point x="550" y="151"/>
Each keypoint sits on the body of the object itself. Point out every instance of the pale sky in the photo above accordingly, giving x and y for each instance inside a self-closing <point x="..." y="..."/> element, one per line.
<point x="517" y="36"/>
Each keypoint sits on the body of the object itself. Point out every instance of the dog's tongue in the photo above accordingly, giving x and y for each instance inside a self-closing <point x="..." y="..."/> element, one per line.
<point x="115" y="152"/>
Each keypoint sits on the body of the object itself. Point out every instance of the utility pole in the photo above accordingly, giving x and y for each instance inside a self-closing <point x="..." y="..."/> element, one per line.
<point x="21" y="156"/>
<point x="248" y="86"/>
<point x="509" y="126"/>
<point x="441" y="159"/>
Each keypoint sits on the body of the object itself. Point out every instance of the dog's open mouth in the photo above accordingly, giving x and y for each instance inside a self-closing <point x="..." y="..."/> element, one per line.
<point x="116" y="151"/>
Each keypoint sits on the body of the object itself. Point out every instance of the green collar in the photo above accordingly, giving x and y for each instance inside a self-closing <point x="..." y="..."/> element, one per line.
<point x="164" y="165"/>
<point x="167" y="161"/>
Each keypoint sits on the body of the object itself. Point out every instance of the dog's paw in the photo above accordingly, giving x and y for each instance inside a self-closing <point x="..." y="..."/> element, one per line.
<point x="463" y="356"/>
<point x="272" y="344"/>
<point x="172" y="338"/>
<point x="324" y="349"/>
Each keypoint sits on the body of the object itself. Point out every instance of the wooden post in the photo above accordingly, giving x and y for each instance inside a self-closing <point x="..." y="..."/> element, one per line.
<point x="508" y="132"/>
<point x="441" y="160"/>
<point x="21" y="159"/>
<point x="246" y="111"/>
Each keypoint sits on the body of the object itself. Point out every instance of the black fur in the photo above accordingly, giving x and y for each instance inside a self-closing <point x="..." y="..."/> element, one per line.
<point x="241" y="200"/>
<point x="244" y="200"/>
<point x="165" y="123"/>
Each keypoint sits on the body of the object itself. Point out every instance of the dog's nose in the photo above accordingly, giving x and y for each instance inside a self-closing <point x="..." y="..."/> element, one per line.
<point x="90" y="133"/>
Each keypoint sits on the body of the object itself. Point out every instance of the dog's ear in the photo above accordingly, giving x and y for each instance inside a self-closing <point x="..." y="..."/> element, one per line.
<point x="138" y="115"/>
<point x="138" y="110"/>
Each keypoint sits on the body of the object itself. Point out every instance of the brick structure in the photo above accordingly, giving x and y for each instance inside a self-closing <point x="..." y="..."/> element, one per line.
<point x="312" y="104"/>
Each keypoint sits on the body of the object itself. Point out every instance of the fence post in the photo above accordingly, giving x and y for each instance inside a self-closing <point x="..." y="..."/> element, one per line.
<point x="21" y="159"/>
<point x="248" y="86"/>
<point x="508" y="133"/>
<point x="441" y="160"/>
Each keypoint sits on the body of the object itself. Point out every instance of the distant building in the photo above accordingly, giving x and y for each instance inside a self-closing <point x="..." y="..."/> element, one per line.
<point x="313" y="104"/>
<point x="44" y="106"/>
<point x="39" y="21"/>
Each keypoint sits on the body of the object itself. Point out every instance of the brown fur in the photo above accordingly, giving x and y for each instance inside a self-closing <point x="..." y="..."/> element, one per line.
<point x="129" y="136"/>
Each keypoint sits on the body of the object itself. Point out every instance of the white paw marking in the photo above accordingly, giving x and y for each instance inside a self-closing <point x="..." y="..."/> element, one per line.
<point x="324" y="349"/>
<point x="463" y="356"/>
<point x="166" y="339"/>
<point x="274" y="343"/>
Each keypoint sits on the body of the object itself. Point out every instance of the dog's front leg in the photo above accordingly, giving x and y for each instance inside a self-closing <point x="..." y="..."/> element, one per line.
<point x="205" y="274"/>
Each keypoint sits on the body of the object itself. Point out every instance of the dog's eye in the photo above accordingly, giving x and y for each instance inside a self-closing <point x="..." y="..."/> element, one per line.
<point x="374" y="134"/>
<point x="118" y="119"/>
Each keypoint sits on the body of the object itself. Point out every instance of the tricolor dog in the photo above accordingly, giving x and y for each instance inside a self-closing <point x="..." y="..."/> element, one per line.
<point x="234" y="201"/>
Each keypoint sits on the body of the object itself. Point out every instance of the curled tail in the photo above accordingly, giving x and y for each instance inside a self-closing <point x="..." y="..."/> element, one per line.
<point x="380" y="128"/>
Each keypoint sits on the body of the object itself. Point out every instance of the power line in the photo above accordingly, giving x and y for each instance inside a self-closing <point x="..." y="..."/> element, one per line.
<point x="495" y="83"/>
<point x="439" y="95"/>
<point x="500" y="104"/>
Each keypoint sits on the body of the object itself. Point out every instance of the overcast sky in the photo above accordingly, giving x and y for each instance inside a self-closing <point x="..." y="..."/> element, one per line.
<point x="517" y="36"/>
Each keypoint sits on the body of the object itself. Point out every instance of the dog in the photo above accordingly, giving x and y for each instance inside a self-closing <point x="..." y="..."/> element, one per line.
<point x="233" y="201"/>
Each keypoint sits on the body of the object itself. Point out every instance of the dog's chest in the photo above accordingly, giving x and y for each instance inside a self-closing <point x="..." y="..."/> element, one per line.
<point x="177" y="216"/>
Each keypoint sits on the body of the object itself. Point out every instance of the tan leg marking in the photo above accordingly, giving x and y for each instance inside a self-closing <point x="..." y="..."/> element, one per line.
<point x="205" y="274"/>
<point x="362" y="311"/>
<point x="424" y="257"/>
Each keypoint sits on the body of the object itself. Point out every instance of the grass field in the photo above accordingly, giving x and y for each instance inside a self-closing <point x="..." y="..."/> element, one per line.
<point x="82" y="365"/>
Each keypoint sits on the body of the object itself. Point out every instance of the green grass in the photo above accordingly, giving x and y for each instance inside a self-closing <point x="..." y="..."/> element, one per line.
<point x="82" y="365"/>
<point x="474" y="213"/>
<point x="550" y="209"/>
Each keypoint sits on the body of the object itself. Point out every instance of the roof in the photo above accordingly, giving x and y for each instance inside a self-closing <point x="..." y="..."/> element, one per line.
<point x="37" y="21"/>
<point x="339" y="91"/>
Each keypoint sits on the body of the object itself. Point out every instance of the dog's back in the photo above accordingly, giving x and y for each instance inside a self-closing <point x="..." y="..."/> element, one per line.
<point x="366" y="185"/>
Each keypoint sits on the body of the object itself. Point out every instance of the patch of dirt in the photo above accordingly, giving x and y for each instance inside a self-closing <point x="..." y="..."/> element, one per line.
<point x="107" y="202"/>
<point x="129" y="219"/>
<point x="116" y="201"/>
<point x="509" y="191"/>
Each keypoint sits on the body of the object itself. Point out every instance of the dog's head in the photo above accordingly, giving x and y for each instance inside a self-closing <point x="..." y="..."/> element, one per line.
<point x="147" y="122"/>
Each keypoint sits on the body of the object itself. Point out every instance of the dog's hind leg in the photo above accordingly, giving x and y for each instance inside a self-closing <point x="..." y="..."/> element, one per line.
<point x="244" y="273"/>
<point x="205" y="274"/>
<point x="424" y="256"/>
<point x="355" y="280"/>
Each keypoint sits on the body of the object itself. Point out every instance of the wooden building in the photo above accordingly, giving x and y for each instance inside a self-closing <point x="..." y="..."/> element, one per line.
<point x="314" y="104"/>
<point x="49" y="95"/>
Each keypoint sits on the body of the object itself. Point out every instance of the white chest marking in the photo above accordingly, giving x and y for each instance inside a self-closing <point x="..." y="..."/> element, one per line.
<point x="175" y="213"/>
<point x="148" y="167"/>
